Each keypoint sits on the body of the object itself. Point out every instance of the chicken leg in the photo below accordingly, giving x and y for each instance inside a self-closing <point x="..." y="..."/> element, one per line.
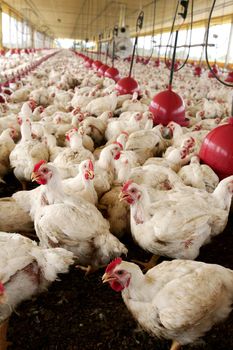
<point x="24" y="185"/>
<point x="148" y="265"/>
<point x="88" y="269"/>
<point x="3" y="335"/>
<point x="175" y="345"/>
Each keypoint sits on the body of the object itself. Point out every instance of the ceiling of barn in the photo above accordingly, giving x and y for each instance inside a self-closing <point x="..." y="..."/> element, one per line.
<point x="88" y="18"/>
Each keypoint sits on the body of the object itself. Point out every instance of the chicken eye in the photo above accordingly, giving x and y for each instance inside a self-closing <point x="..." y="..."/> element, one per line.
<point x="120" y="272"/>
<point x="45" y="170"/>
<point x="133" y="190"/>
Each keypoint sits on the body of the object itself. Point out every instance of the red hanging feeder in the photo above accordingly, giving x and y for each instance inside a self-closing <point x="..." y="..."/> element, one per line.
<point x="167" y="105"/>
<point x="96" y="65"/>
<point x="197" y="71"/>
<point x="112" y="73"/>
<point x="103" y="69"/>
<point x="215" y="70"/>
<point x="157" y="62"/>
<point x="229" y="77"/>
<point x="88" y="63"/>
<point x="217" y="149"/>
<point x="129" y="85"/>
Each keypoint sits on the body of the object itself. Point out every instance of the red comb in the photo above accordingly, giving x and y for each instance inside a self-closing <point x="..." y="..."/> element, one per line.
<point x="125" y="133"/>
<point x="91" y="166"/>
<point x="113" y="264"/>
<point x="119" y="144"/>
<point x="38" y="165"/>
<point x="2" y="289"/>
<point x="126" y="185"/>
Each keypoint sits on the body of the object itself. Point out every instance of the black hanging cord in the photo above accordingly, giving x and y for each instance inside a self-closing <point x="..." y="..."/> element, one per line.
<point x="190" y="39"/>
<point x="114" y="34"/>
<point x="153" y="32"/>
<point x="171" y="32"/>
<point x="173" y="60"/>
<point x="206" y="48"/>
<point x="139" y="25"/>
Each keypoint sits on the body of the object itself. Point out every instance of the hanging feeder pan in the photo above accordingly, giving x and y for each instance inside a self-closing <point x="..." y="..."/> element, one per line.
<point x="168" y="106"/>
<point x="96" y="65"/>
<point x="88" y="63"/>
<point x="102" y="69"/>
<point x="229" y="77"/>
<point x="197" y="71"/>
<point x="217" y="149"/>
<point x="215" y="70"/>
<point x="112" y="73"/>
<point x="169" y="65"/>
<point x="127" y="85"/>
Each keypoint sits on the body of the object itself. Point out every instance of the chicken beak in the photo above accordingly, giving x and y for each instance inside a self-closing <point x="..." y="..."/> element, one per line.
<point x="3" y="299"/>
<point x="107" y="278"/>
<point x="122" y="196"/>
<point x="34" y="176"/>
<point x="91" y="174"/>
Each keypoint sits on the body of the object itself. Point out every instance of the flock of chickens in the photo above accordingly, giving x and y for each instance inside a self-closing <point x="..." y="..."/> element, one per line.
<point x="104" y="172"/>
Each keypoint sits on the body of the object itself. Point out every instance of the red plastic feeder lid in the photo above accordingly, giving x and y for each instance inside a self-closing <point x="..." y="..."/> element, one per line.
<point x="127" y="85"/>
<point x="103" y="69"/>
<point x="217" y="149"/>
<point x="97" y="64"/>
<point x="88" y="63"/>
<point x="168" y="106"/>
<point x="197" y="71"/>
<point x="112" y="73"/>
<point x="229" y="77"/>
<point x="214" y="69"/>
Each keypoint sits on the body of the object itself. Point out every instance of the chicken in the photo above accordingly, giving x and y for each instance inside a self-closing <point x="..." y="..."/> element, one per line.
<point x="105" y="167"/>
<point x="102" y="104"/>
<point x="26" y="154"/>
<point x="82" y="185"/>
<point x="76" y="225"/>
<point x="117" y="213"/>
<point x="69" y="159"/>
<point x="193" y="224"/>
<point x="95" y="127"/>
<point x="173" y="158"/>
<point x="137" y="121"/>
<point x="145" y="143"/>
<point x="199" y="175"/>
<point x="6" y="146"/>
<point x="26" y="270"/>
<point x="177" y="300"/>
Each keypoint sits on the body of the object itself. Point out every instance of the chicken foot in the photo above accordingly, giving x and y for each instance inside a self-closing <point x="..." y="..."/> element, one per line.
<point x="3" y="338"/>
<point x="175" y="345"/>
<point x="148" y="265"/>
<point x="88" y="269"/>
<point x="24" y="185"/>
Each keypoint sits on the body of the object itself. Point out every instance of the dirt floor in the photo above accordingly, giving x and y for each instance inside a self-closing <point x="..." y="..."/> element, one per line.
<point x="79" y="313"/>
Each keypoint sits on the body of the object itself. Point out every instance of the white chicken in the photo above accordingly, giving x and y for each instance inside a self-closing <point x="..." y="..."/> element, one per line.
<point x="95" y="127"/>
<point x="177" y="300"/>
<point x="26" y="154"/>
<point x="105" y="167"/>
<point x="76" y="225"/>
<point x="26" y="270"/>
<point x="199" y="175"/>
<point x="102" y="104"/>
<point x="188" y="210"/>
<point x="69" y="159"/>
<point x="117" y="213"/>
<point x="82" y="185"/>
<point x="6" y="146"/>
